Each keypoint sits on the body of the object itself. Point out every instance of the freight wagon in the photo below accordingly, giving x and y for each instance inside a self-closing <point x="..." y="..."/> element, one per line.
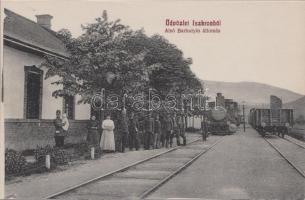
<point x="271" y="121"/>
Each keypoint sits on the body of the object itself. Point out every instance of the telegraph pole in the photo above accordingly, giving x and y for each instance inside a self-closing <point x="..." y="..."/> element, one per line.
<point x="244" y="119"/>
<point x="205" y="121"/>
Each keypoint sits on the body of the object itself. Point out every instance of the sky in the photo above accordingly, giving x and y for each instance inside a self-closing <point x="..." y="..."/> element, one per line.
<point x="259" y="41"/>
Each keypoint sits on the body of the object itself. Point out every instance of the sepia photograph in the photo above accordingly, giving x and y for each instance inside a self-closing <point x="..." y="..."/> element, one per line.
<point x="170" y="99"/>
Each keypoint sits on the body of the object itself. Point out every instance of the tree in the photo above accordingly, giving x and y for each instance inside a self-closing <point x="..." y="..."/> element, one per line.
<point x="134" y="62"/>
<point x="171" y="71"/>
<point x="99" y="52"/>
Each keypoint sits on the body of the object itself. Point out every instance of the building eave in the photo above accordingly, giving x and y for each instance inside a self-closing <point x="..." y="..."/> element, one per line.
<point x="18" y="44"/>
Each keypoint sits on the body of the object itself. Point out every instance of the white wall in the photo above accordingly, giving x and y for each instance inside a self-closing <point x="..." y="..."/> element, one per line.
<point x="196" y="121"/>
<point x="82" y="111"/>
<point x="14" y="62"/>
<point x="49" y="103"/>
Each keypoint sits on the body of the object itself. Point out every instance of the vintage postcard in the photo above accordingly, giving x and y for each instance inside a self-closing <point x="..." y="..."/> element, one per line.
<point x="135" y="99"/>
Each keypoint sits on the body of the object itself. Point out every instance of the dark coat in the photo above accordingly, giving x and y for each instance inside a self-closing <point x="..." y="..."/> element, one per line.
<point x="93" y="126"/>
<point x="175" y="124"/>
<point x="157" y="127"/>
<point x="167" y="124"/>
<point x="133" y="126"/>
<point x="58" y="127"/>
<point x="149" y="125"/>
<point x="124" y="124"/>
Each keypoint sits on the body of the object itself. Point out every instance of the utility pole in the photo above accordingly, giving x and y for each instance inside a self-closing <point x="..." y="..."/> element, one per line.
<point x="204" y="121"/>
<point x="204" y="116"/>
<point x="244" y="119"/>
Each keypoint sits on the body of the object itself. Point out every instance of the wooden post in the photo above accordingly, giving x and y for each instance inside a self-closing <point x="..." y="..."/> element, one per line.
<point x="92" y="153"/>
<point x="193" y="123"/>
<point x="48" y="161"/>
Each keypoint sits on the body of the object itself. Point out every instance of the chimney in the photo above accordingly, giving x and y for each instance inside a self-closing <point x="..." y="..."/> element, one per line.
<point x="44" y="20"/>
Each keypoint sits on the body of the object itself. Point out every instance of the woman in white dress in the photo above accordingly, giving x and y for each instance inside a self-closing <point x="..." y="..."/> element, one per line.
<point x="107" y="140"/>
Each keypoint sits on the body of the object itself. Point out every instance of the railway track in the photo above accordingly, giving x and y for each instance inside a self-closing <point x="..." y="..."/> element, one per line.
<point x="140" y="179"/>
<point x="299" y="143"/>
<point x="285" y="156"/>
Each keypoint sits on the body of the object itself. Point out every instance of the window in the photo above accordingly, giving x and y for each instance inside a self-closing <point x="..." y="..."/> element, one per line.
<point x="32" y="92"/>
<point x="69" y="106"/>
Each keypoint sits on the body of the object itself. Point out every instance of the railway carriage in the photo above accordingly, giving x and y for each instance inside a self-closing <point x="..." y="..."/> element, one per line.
<point x="271" y="121"/>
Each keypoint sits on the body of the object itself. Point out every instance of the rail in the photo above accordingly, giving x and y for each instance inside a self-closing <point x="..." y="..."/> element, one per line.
<point x="149" y="190"/>
<point x="296" y="143"/>
<point x="285" y="158"/>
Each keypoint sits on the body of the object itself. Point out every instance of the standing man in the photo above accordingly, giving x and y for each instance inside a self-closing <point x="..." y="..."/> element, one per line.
<point x="182" y="129"/>
<point x="59" y="135"/>
<point x="124" y="130"/>
<point x="163" y="131"/>
<point x="168" y="128"/>
<point x="175" y="132"/>
<point x="204" y="130"/>
<point x="93" y="137"/>
<point x="157" y="132"/>
<point x="149" y="130"/>
<point x="133" y="128"/>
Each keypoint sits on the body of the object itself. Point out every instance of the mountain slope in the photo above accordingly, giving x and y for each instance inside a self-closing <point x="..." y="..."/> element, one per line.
<point x="298" y="106"/>
<point x="251" y="92"/>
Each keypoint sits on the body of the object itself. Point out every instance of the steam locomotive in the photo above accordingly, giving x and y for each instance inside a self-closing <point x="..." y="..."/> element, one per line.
<point x="223" y="116"/>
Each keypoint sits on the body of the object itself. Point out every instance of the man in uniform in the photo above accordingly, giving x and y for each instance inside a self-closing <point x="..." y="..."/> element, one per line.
<point x="133" y="128"/>
<point x="59" y="135"/>
<point x="157" y="132"/>
<point x="204" y="130"/>
<point x="149" y="130"/>
<point x="124" y="130"/>
<point x="175" y="131"/>
<point x="93" y="137"/>
<point x="168" y="128"/>
<point x="182" y="128"/>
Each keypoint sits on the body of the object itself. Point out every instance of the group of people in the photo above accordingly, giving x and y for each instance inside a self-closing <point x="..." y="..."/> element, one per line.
<point x="160" y="132"/>
<point x="132" y="131"/>
<point x="152" y="131"/>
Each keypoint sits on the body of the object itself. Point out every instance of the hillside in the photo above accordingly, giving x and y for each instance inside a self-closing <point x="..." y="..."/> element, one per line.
<point x="298" y="106"/>
<point x="251" y="92"/>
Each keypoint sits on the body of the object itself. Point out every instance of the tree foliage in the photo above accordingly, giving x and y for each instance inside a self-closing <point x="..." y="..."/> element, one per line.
<point x="171" y="72"/>
<point x="136" y="61"/>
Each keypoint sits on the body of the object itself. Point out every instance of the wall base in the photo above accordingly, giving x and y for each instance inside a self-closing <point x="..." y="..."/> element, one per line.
<point x="24" y="134"/>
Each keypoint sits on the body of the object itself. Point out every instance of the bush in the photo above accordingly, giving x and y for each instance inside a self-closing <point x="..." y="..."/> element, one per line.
<point x="58" y="156"/>
<point x="14" y="162"/>
<point x="84" y="149"/>
<point x="300" y="120"/>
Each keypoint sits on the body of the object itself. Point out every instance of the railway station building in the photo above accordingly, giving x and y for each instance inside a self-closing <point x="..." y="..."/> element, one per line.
<point x="27" y="95"/>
